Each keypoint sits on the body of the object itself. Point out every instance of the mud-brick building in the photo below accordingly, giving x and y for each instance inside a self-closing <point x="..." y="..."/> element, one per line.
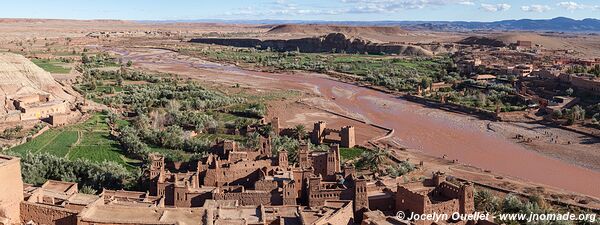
<point x="435" y="195"/>
<point x="39" y="106"/>
<point x="321" y="134"/>
<point x="11" y="190"/>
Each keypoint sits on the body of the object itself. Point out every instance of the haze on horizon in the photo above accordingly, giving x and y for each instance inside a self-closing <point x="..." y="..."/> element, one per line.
<point x="334" y="10"/>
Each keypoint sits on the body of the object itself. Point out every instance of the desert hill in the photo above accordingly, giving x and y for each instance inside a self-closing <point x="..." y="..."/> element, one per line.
<point x="374" y="33"/>
<point x="480" y="40"/>
<point x="504" y="39"/>
<point x="546" y="41"/>
<point x="20" y="77"/>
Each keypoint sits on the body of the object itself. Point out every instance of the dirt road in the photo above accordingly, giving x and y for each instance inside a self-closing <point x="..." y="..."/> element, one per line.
<point x="432" y="131"/>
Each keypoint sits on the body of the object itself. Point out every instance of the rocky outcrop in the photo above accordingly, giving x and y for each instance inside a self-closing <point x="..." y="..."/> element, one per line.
<point x="334" y="42"/>
<point x="19" y="77"/>
<point x="473" y="40"/>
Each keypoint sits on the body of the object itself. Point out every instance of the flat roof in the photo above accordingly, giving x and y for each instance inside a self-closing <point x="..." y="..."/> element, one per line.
<point x="250" y="214"/>
<point x="58" y="186"/>
<point x="143" y="215"/>
<point x="83" y="199"/>
<point x="121" y="214"/>
<point x="5" y="158"/>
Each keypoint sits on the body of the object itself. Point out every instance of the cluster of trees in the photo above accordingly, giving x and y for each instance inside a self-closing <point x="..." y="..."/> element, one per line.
<point x="484" y="99"/>
<point x="253" y="110"/>
<point x="572" y="115"/>
<point x="11" y="132"/>
<point x="143" y="98"/>
<point x="291" y="145"/>
<point x="38" y="168"/>
<point x="135" y="139"/>
<point x="486" y="201"/>
<point x="594" y="111"/>
<point x="398" y="170"/>
<point x="393" y="73"/>
<point x="582" y="69"/>
<point x="376" y="160"/>
<point x="97" y="60"/>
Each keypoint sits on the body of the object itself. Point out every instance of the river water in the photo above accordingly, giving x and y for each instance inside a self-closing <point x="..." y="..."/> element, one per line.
<point x="414" y="125"/>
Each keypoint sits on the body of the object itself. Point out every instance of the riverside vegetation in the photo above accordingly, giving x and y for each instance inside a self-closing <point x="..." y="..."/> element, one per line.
<point x="392" y="72"/>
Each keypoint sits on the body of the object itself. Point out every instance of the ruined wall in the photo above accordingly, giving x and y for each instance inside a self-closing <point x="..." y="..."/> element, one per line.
<point x="48" y="215"/>
<point x="236" y="173"/>
<point x="447" y="207"/>
<point x="11" y="189"/>
<point x="193" y="199"/>
<point x="246" y="198"/>
<point x="407" y="200"/>
<point x="265" y="185"/>
<point x="318" y="198"/>
<point x="448" y="190"/>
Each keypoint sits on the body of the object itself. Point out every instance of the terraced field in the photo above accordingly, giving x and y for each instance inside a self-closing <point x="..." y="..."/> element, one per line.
<point x="90" y="140"/>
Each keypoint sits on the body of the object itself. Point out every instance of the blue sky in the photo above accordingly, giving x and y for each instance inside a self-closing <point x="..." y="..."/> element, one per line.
<point x="359" y="10"/>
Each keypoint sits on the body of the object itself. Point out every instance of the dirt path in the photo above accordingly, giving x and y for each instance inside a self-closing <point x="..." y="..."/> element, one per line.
<point x="432" y="131"/>
<point x="79" y="135"/>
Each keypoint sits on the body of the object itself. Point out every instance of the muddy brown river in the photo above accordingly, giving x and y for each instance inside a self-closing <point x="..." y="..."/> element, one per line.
<point x="454" y="135"/>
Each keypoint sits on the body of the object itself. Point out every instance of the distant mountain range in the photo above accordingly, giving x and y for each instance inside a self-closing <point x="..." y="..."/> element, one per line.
<point x="559" y="24"/>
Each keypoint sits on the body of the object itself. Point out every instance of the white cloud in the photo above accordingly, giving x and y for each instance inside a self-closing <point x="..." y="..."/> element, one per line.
<point x="466" y="3"/>
<point x="572" y="6"/>
<point x="292" y="8"/>
<point x="535" y="8"/>
<point x="282" y="8"/>
<point x="495" y="7"/>
<point x="393" y="6"/>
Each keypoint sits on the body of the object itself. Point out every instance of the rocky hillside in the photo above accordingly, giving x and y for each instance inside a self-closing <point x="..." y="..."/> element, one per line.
<point x="334" y="42"/>
<point x="371" y="33"/>
<point x="20" y="77"/>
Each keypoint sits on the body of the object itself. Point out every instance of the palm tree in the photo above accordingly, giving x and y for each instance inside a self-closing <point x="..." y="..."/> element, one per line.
<point x="486" y="201"/>
<point x="375" y="158"/>
<point x="300" y="131"/>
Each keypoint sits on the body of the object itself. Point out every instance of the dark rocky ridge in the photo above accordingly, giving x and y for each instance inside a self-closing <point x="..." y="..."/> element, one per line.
<point x="335" y="42"/>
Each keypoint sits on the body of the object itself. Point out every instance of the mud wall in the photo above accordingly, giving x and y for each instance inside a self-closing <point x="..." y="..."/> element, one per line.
<point x="11" y="188"/>
<point x="49" y="215"/>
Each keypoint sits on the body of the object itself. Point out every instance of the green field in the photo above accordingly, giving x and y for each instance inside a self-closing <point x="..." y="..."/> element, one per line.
<point x="351" y="153"/>
<point x="90" y="140"/>
<point x="52" y="66"/>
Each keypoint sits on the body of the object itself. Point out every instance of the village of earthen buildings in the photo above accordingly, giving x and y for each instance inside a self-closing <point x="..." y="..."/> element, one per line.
<point x="211" y="124"/>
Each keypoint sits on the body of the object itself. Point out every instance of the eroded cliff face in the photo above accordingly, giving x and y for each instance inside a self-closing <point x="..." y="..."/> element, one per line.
<point x="19" y="77"/>
<point x="335" y="42"/>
